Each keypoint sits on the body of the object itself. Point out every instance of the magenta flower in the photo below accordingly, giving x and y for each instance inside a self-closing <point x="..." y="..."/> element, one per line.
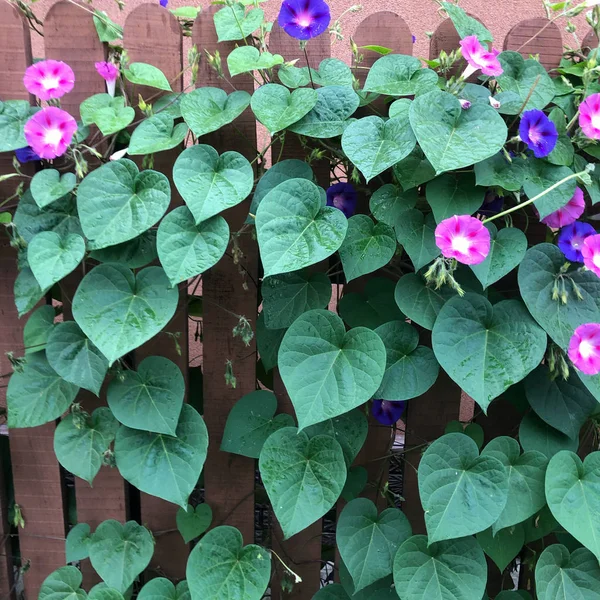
<point x="589" y="116"/>
<point x="388" y="412"/>
<point x="571" y="238"/>
<point x="591" y="253"/>
<point x="584" y="348"/>
<point x="49" y="79"/>
<point x="343" y="196"/>
<point x="479" y="57"/>
<point x="538" y="132"/>
<point x="50" y="131"/>
<point x="463" y="238"/>
<point x="109" y="72"/>
<point x="569" y="213"/>
<point x="304" y="19"/>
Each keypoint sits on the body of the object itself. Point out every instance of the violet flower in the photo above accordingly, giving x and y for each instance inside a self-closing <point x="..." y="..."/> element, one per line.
<point x="304" y="19"/>
<point x="388" y="412"/>
<point x="571" y="239"/>
<point x="343" y="196"/>
<point x="538" y="132"/>
<point x="26" y="155"/>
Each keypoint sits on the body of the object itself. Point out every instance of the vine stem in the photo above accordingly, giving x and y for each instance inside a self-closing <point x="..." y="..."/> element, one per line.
<point x="297" y="577"/>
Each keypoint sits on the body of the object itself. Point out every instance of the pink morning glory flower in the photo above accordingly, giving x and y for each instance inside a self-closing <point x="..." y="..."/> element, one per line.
<point x="464" y="104"/>
<point x="567" y="214"/>
<point x="571" y="239"/>
<point x="479" y="57"/>
<point x="110" y="73"/>
<point x="50" y="131"/>
<point x="591" y="253"/>
<point x="49" y="79"/>
<point x="304" y="19"/>
<point x="342" y="196"/>
<point x="388" y="412"/>
<point x="589" y="116"/>
<point x="538" y="132"/>
<point x="584" y="348"/>
<point x="464" y="238"/>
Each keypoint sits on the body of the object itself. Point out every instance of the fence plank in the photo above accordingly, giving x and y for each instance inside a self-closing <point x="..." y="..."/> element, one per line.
<point x="536" y="36"/>
<point x="229" y="479"/>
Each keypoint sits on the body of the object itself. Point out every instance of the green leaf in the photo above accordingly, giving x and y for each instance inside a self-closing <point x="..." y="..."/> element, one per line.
<point x="117" y="203"/>
<point x="289" y="295"/>
<point x="276" y="108"/>
<point x="414" y="170"/>
<point x="416" y="233"/>
<point x="210" y="183"/>
<point x="535" y="435"/>
<point x="462" y="493"/>
<point x="389" y="203"/>
<point x="186" y="249"/>
<point x="410" y="369"/>
<point x="162" y="589"/>
<point x="251" y="421"/>
<point x="119" y="311"/>
<point x="134" y="254"/>
<point x="399" y="75"/>
<point x="75" y="358"/>
<point x="141" y="73"/>
<point x="466" y="25"/>
<point x="368" y="541"/>
<point x="207" y="109"/>
<point x="102" y="592"/>
<point x="48" y="185"/>
<point x="63" y="584"/>
<point x="268" y="342"/>
<point x="106" y="28"/>
<point x="453" y="138"/>
<point x="486" y="348"/>
<point x="507" y="249"/>
<point x="186" y="12"/>
<point x="220" y="567"/>
<point x="193" y="522"/>
<point x="503" y="546"/>
<point x="37" y="395"/>
<point x="526" y="473"/>
<point x="332" y="71"/>
<point x="246" y="59"/>
<point x="496" y="171"/>
<point x="78" y="538"/>
<point x="108" y="113"/>
<point x="563" y="152"/>
<point x="13" y="116"/>
<point x="333" y="591"/>
<point x="452" y="570"/>
<point x="80" y="446"/>
<point x="232" y="23"/>
<point x="119" y="553"/>
<point x="156" y="134"/>
<point x="540" y="525"/>
<point x="572" y="495"/>
<point x="356" y="482"/>
<point x="373" y="145"/>
<point x="326" y="370"/>
<point x="51" y="258"/>
<point x="161" y="465"/>
<point x="454" y="194"/>
<point x="38" y="329"/>
<point x="383" y="589"/>
<point x="368" y="246"/>
<point x="27" y="291"/>
<point x="294" y="229"/>
<point x="329" y="118"/>
<point x="539" y="176"/>
<point x="560" y="575"/>
<point x="303" y="477"/>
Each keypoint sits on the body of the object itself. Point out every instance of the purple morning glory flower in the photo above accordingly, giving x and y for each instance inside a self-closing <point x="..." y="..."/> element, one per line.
<point x="343" y="196"/>
<point x="414" y="38"/>
<point x="538" y="132"/>
<point x="25" y="155"/>
<point x="571" y="238"/>
<point x="304" y="19"/>
<point x="492" y="204"/>
<point x="388" y="412"/>
<point x="163" y="3"/>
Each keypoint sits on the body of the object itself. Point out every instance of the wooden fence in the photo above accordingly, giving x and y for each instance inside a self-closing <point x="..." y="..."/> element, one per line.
<point x="152" y="34"/>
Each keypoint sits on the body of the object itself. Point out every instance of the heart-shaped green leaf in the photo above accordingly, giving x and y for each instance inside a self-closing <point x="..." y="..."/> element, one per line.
<point x="210" y="183"/>
<point x="454" y="194"/>
<point x="326" y="370"/>
<point x="135" y="253"/>
<point x="193" y="522"/>
<point x="150" y="398"/>
<point x="504" y="545"/>
<point x="119" y="553"/>
<point x="451" y="137"/>
<point x="38" y="328"/>
<point x="535" y="435"/>
<point x="141" y="73"/>
<point x="80" y="442"/>
<point x="76" y="546"/>
<point x="453" y="570"/>
<point x="220" y="566"/>
<point x="109" y="114"/>
<point x="175" y="464"/>
<point x="389" y="203"/>
<point x="410" y="369"/>
<point x="51" y="257"/>
<point x="231" y="22"/>
<point x="294" y="229"/>
<point x="102" y="592"/>
<point x="75" y="358"/>
<point x="466" y="25"/>
<point x="572" y="495"/>
<point x="13" y="116"/>
<point x="37" y="394"/>
<point x="539" y="176"/>
<point x="162" y="589"/>
<point x="356" y="482"/>
<point x="374" y="145"/>
<point x="303" y="477"/>
<point x="507" y="249"/>
<point x="27" y="291"/>
<point x="119" y="311"/>
<point x="368" y="541"/>
<point x="497" y="171"/>
<point x="63" y="584"/>
<point x="276" y="108"/>
<point x="331" y="71"/>
<point x="156" y="134"/>
<point x="268" y="342"/>
<point x="486" y="348"/>
<point x="186" y="249"/>
<point x="414" y="170"/>
<point x="48" y="185"/>
<point x="416" y="232"/>
<point x="116" y="202"/>
<point x="399" y="75"/>
<point x="462" y="493"/>
<point x="207" y="109"/>
<point x="245" y="59"/>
